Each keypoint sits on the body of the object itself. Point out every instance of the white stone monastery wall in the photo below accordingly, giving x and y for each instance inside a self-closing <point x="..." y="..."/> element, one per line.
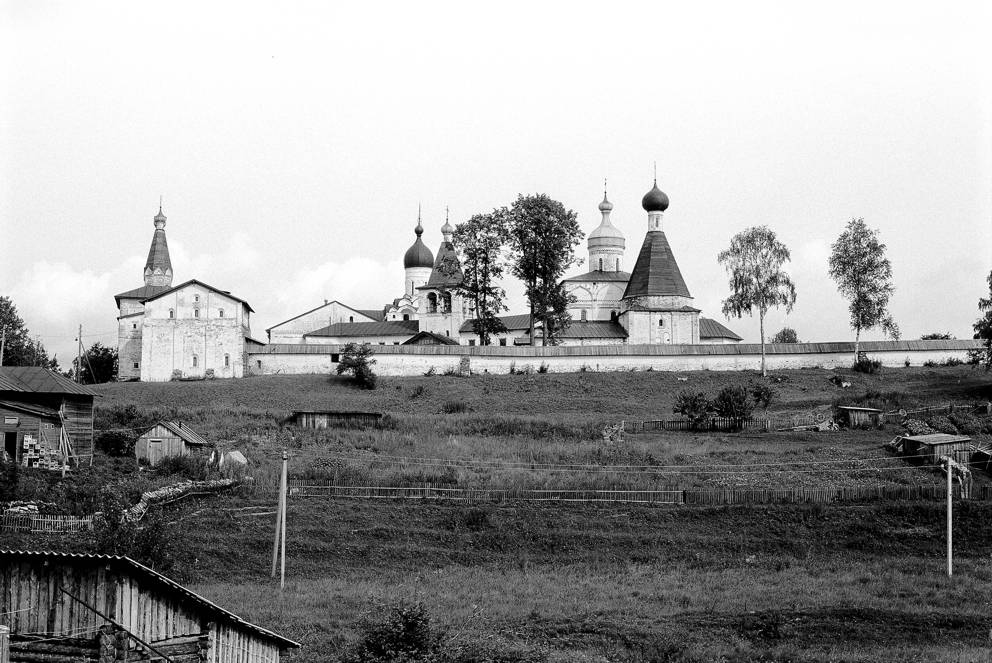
<point x="417" y="360"/>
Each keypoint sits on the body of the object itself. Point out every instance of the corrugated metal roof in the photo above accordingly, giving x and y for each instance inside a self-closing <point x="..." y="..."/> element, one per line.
<point x="182" y="430"/>
<point x="599" y="276"/>
<point x="713" y="329"/>
<point x="34" y="379"/>
<point x="656" y="272"/>
<point x="354" y="329"/>
<point x="155" y="577"/>
<point x="202" y="285"/>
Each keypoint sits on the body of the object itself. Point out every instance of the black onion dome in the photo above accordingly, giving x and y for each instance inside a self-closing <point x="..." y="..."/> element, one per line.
<point x="655" y="200"/>
<point x="418" y="255"/>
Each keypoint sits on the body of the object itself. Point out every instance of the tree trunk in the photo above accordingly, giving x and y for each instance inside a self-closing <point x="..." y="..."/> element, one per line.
<point x="761" y="325"/>
<point x="532" y="324"/>
<point x="857" y="343"/>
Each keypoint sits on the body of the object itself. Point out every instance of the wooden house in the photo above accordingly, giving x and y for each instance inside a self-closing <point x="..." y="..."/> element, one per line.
<point x="326" y="418"/>
<point x="166" y="439"/>
<point x="66" y="607"/>
<point x="932" y="448"/>
<point x="45" y="418"/>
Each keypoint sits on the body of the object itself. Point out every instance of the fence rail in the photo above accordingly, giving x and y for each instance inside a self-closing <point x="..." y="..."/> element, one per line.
<point x="17" y="522"/>
<point x="301" y="488"/>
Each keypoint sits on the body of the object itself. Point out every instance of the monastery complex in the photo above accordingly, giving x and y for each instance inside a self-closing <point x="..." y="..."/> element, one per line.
<point x="196" y="330"/>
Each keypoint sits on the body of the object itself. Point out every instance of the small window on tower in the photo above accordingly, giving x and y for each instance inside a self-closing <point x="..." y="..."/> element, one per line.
<point x="600" y="264"/>
<point x="196" y="298"/>
<point x="134" y="325"/>
<point x="227" y="361"/>
<point x="583" y="315"/>
<point x="172" y="312"/>
<point x="220" y="313"/>
<point x="661" y="322"/>
<point x="196" y="361"/>
<point x="196" y="313"/>
<point x="618" y="264"/>
<point x="136" y="364"/>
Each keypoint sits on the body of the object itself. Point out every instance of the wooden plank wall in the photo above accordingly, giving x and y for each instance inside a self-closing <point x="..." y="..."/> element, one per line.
<point x="230" y="645"/>
<point x="78" y="413"/>
<point x="171" y="445"/>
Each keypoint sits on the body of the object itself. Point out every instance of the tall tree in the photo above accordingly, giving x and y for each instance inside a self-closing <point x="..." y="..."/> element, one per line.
<point x="864" y="277"/>
<point x="480" y="241"/>
<point x="785" y="335"/>
<point x="754" y="262"/>
<point x="18" y="348"/>
<point x="99" y="364"/>
<point x="543" y="237"/>
<point x="983" y="327"/>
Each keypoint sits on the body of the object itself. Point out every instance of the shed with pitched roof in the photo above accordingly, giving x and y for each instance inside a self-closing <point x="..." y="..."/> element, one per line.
<point x="167" y="439"/>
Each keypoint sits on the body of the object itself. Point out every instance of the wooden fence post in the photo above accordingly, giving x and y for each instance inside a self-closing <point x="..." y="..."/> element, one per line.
<point x="4" y="644"/>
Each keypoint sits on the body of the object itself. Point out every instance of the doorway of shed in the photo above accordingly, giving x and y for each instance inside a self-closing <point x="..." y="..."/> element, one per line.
<point x="10" y="445"/>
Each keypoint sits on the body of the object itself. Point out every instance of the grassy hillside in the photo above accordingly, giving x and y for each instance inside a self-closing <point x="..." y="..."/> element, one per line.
<point x="582" y="582"/>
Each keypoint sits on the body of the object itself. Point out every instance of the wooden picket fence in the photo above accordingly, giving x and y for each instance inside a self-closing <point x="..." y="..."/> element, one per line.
<point x="710" y="424"/>
<point x="693" y="496"/>
<point x="897" y="416"/>
<point x="17" y="522"/>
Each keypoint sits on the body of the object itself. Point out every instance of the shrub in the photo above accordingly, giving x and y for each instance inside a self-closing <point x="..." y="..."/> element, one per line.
<point x="763" y="395"/>
<point x="114" y="535"/>
<point x="431" y="371"/>
<point x="867" y="365"/>
<point x="115" y="443"/>
<point x="941" y="424"/>
<point x="419" y="390"/>
<point x="966" y="423"/>
<point x="693" y="405"/>
<point x="733" y="401"/>
<point x="357" y="360"/>
<point x="399" y="632"/>
<point x="543" y="368"/>
<point x="936" y="336"/>
<point x="785" y="335"/>
<point x="953" y="361"/>
<point x="196" y="468"/>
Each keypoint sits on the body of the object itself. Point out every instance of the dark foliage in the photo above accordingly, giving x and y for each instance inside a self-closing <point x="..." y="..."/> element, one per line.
<point x="99" y="364"/>
<point x="867" y="365"/>
<point x="734" y="401"/>
<point x="116" y="443"/>
<point x="114" y="534"/>
<point x="785" y="335"/>
<point x="402" y="632"/>
<point x="695" y="406"/>
<point x="454" y="407"/>
<point x="357" y="360"/>
<point x="936" y="336"/>
<point x="19" y="349"/>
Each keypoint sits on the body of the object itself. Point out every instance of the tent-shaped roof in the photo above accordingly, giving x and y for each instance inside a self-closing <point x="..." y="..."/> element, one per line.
<point x="446" y="261"/>
<point x="135" y="569"/>
<point x="656" y="272"/>
<point x="38" y="380"/>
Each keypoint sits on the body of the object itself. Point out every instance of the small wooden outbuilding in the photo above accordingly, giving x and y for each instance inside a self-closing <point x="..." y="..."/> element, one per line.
<point x="932" y="448"/>
<point x="67" y="607"/>
<point x="166" y="439"/>
<point x="45" y="418"/>
<point x="326" y="418"/>
<point x="858" y="417"/>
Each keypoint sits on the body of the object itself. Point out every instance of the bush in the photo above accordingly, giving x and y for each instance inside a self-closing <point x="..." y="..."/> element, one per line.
<point x="693" y="405"/>
<point x="393" y="633"/>
<point x="763" y="395"/>
<point x="357" y="360"/>
<point x="115" y="443"/>
<point x="867" y="365"/>
<point x="941" y="424"/>
<point x="733" y="401"/>
<point x="966" y="423"/>
<point x="936" y="336"/>
<point x="195" y="468"/>
<point x="785" y="335"/>
<point x="543" y="368"/>
<point x="113" y="535"/>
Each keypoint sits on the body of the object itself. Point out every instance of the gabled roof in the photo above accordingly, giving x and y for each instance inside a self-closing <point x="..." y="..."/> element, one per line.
<point x="429" y="338"/>
<point x="34" y="379"/>
<point x="202" y="285"/>
<point x="377" y="316"/>
<point x="446" y="257"/>
<point x="136" y="569"/>
<point x="599" y="276"/>
<point x="354" y="329"/>
<point x="144" y="292"/>
<point x="713" y="329"/>
<point x="656" y="272"/>
<point x="511" y="322"/>
<point x="30" y="408"/>
<point x="181" y="430"/>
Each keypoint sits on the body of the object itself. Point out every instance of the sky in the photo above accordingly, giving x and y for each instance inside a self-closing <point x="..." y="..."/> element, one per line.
<point x="293" y="142"/>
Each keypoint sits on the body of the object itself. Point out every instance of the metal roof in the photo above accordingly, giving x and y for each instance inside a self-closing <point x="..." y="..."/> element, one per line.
<point x="182" y="430"/>
<point x="656" y="272"/>
<point x="377" y="316"/>
<point x="38" y="380"/>
<point x="713" y="329"/>
<point x="158" y="253"/>
<point x="511" y="322"/>
<point x="430" y="336"/>
<point x="30" y="408"/>
<point x="144" y="292"/>
<point x="600" y="276"/>
<point x="937" y="438"/>
<point x="201" y="284"/>
<point x="591" y="329"/>
<point x="146" y="573"/>
<point x="350" y="329"/>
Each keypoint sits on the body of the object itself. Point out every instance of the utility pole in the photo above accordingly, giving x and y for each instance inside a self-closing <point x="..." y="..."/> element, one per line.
<point x="79" y="349"/>
<point x="279" y="544"/>
<point x="950" y="558"/>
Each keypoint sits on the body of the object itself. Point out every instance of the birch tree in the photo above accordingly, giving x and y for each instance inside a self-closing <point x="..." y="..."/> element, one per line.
<point x="754" y="263"/>
<point x="481" y="241"/>
<point x="864" y="277"/>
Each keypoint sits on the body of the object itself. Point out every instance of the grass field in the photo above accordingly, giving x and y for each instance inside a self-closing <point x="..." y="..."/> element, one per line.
<point x="585" y="582"/>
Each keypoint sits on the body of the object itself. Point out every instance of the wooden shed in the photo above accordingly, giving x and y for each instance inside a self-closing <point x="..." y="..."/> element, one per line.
<point x="326" y="418"/>
<point x="61" y="607"/>
<point x="931" y="448"/>
<point x="166" y="439"/>
<point x="45" y="418"/>
<point x="859" y="417"/>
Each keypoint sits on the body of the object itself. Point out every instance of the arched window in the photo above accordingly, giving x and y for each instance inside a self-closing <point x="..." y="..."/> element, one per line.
<point x="661" y="322"/>
<point x="172" y="312"/>
<point x="406" y="316"/>
<point x="446" y="302"/>
<point x="600" y="264"/>
<point x="196" y="313"/>
<point x="227" y="361"/>
<point x="432" y="303"/>
<point x="583" y="315"/>
<point x="618" y="264"/>
<point x="196" y="361"/>
<point x="221" y="313"/>
<point x="351" y="318"/>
